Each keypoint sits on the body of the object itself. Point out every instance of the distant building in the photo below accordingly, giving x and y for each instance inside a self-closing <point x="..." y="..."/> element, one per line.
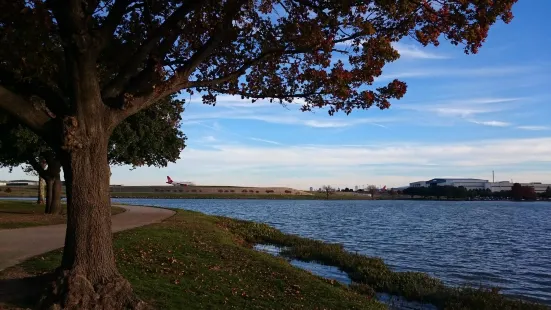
<point x="479" y="184"/>
<point x="311" y="189"/>
<point x="356" y="188"/>
<point x="22" y="183"/>
<point x="3" y="183"/>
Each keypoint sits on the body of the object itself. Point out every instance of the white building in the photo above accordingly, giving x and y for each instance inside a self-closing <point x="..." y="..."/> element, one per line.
<point x="3" y="183"/>
<point x="479" y="184"/>
<point x="467" y="183"/>
<point x="507" y="186"/>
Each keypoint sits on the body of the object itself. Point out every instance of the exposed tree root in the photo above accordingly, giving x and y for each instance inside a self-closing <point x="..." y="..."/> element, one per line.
<point x="73" y="290"/>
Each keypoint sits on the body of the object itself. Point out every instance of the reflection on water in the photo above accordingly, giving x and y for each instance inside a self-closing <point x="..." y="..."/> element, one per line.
<point x="495" y="243"/>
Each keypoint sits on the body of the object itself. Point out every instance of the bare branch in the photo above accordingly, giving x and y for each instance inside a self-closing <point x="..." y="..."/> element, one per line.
<point x="24" y="111"/>
<point x="132" y="66"/>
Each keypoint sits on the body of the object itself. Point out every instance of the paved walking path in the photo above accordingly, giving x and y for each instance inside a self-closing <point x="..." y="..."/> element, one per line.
<point x="16" y="245"/>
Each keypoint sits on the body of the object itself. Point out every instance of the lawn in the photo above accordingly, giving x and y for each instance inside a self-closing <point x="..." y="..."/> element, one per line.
<point x="18" y="214"/>
<point x="190" y="261"/>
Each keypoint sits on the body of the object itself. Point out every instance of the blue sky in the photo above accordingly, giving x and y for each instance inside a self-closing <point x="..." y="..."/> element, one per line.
<point x="463" y="116"/>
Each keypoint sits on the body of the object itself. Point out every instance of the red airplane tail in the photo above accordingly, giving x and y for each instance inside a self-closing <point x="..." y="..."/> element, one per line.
<point x="169" y="180"/>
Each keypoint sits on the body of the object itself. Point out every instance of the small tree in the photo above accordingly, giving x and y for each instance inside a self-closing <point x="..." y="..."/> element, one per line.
<point x="516" y="191"/>
<point x="328" y="189"/>
<point x="372" y="190"/>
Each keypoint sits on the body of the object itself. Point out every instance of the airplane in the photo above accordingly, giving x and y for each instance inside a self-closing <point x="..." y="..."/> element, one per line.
<point x="171" y="182"/>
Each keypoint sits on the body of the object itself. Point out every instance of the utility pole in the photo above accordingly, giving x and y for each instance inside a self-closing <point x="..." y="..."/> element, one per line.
<point x="493" y="177"/>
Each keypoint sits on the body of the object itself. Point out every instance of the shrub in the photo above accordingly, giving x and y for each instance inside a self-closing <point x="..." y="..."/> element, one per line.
<point x="232" y="191"/>
<point x="226" y="191"/>
<point x="269" y="191"/>
<point x="220" y="190"/>
<point x="251" y="191"/>
<point x="257" y="192"/>
<point x="244" y="191"/>
<point x="288" y="192"/>
<point x="7" y="190"/>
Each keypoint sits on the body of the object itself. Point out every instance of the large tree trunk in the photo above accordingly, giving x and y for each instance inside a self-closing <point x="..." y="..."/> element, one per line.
<point x="49" y="192"/>
<point x="88" y="275"/>
<point x="41" y="189"/>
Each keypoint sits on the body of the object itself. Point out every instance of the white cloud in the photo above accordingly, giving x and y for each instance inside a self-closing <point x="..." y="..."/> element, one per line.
<point x="491" y="123"/>
<point x="290" y="119"/>
<point x="452" y="72"/>
<point x="533" y="127"/>
<point x="394" y="164"/>
<point x="208" y="139"/>
<point x="467" y="107"/>
<point x="413" y="51"/>
<point x="265" y="141"/>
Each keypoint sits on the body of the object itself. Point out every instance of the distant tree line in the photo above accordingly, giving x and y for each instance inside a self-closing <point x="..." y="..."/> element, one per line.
<point x="517" y="192"/>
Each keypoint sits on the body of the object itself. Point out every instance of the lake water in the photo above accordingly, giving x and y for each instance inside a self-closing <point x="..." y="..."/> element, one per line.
<point x="504" y="244"/>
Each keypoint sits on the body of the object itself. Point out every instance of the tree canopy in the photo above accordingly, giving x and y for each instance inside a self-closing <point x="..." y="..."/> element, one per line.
<point x="151" y="137"/>
<point x="327" y="52"/>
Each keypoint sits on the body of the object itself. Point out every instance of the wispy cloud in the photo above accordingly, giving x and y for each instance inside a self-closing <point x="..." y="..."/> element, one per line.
<point x="291" y="119"/>
<point x="535" y="128"/>
<point x="395" y="163"/>
<point x="453" y="72"/>
<point x="265" y="141"/>
<point x="491" y="123"/>
<point x="413" y="51"/>
<point x="467" y="107"/>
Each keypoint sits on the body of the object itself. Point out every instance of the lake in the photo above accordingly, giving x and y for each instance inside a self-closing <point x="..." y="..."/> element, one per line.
<point x="504" y="244"/>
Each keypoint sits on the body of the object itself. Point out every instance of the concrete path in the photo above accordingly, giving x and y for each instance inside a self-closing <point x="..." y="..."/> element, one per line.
<point x="16" y="245"/>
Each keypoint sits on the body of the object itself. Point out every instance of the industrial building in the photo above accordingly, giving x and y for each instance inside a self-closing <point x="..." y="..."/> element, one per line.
<point x="479" y="184"/>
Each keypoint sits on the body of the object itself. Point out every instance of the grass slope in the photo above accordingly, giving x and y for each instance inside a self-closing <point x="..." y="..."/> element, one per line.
<point x="191" y="262"/>
<point x="19" y="214"/>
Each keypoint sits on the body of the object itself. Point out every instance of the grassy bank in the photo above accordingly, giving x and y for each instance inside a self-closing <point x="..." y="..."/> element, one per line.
<point x="195" y="261"/>
<point x="190" y="261"/>
<point x="18" y="214"/>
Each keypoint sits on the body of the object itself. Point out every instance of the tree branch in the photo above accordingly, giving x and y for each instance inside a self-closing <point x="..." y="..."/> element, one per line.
<point x="33" y="162"/>
<point x="132" y="66"/>
<point x="55" y="102"/>
<point x="24" y="111"/>
<point x="105" y="33"/>
<point x="231" y="8"/>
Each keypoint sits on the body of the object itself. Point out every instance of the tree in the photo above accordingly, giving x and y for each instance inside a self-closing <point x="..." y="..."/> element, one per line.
<point x="328" y="189"/>
<point x="372" y="190"/>
<point x="75" y="70"/>
<point x="151" y="137"/>
<point x="516" y="191"/>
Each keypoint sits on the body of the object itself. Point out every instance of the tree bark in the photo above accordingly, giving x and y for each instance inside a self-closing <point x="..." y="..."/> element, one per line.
<point x="88" y="277"/>
<point x="41" y="189"/>
<point x="49" y="191"/>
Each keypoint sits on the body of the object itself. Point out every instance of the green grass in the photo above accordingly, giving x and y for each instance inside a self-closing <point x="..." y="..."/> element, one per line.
<point x="20" y="214"/>
<point x="191" y="262"/>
